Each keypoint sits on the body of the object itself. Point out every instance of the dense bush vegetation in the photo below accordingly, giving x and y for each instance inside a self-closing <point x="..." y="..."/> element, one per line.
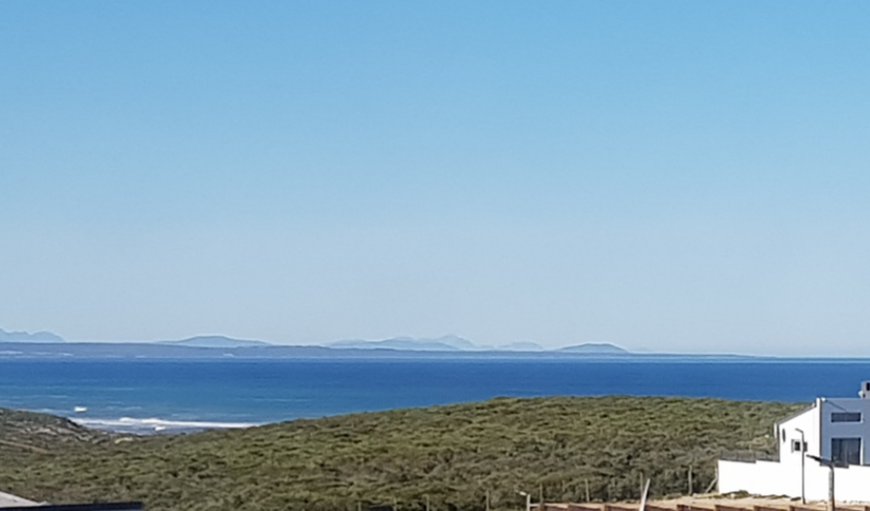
<point x="453" y="456"/>
<point x="23" y="433"/>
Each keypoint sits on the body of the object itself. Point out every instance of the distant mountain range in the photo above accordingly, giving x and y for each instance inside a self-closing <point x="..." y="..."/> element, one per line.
<point x="28" y="337"/>
<point x="445" y="343"/>
<point x="455" y="343"/>
<point x="597" y="348"/>
<point x="48" y="344"/>
<point x="215" y="341"/>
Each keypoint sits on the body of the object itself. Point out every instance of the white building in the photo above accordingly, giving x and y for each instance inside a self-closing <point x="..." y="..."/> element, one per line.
<point x="835" y="429"/>
<point x="8" y="500"/>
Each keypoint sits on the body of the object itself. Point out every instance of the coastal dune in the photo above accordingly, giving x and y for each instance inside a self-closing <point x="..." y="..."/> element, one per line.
<point x="452" y="456"/>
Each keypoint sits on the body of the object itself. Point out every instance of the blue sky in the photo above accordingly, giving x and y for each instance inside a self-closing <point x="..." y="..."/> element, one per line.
<point x="669" y="176"/>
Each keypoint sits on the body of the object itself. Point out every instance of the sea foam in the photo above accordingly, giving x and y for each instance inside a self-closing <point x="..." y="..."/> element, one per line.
<point x="156" y="425"/>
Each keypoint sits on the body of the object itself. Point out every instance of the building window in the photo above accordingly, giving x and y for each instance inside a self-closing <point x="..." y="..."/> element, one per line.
<point x="846" y="417"/>
<point x="796" y="446"/>
<point x="846" y="451"/>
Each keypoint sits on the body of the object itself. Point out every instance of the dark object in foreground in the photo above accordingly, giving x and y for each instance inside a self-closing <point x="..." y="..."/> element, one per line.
<point x="110" y="506"/>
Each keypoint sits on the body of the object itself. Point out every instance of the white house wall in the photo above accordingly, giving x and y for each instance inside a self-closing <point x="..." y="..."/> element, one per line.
<point x="772" y="478"/>
<point x="809" y="421"/>
<point x="784" y="477"/>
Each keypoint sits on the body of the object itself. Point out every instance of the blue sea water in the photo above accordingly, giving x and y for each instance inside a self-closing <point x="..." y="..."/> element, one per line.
<point x="143" y="395"/>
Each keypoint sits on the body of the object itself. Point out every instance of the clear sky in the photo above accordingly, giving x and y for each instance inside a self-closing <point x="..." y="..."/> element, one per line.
<point x="671" y="176"/>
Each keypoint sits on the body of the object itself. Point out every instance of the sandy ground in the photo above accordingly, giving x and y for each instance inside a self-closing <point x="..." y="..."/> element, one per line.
<point x="711" y="501"/>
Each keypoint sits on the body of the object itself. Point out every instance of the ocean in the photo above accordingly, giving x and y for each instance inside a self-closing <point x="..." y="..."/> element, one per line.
<point x="145" y="396"/>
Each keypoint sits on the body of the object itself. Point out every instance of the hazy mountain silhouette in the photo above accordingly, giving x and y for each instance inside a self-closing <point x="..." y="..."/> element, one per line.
<point x="595" y="348"/>
<point x="216" y="341"/>
<point x="444" y="343"/>
<point x="28" y="337"/>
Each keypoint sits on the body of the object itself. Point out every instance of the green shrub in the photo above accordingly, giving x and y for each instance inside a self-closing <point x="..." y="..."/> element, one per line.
<point x="453" y="455"/>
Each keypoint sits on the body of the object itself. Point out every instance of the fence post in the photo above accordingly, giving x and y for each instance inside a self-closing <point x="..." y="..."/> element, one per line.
<point x="691" y="486"/>
<point x="640" y="478"/>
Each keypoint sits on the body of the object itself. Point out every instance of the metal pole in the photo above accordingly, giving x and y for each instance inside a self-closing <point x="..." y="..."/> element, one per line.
<point x="830" y="464"/>
<point x="803" y="467"/>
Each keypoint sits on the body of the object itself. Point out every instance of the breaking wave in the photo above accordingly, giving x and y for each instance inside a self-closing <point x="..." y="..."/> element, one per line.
<point x="155" y="425"/>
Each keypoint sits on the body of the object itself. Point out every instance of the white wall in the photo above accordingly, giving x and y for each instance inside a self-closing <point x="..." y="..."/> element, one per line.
<point x="771" y="478"/>
<point x="809" y="421"/>
<point x="784" y="478"/>
<point x="759" y="478"/>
